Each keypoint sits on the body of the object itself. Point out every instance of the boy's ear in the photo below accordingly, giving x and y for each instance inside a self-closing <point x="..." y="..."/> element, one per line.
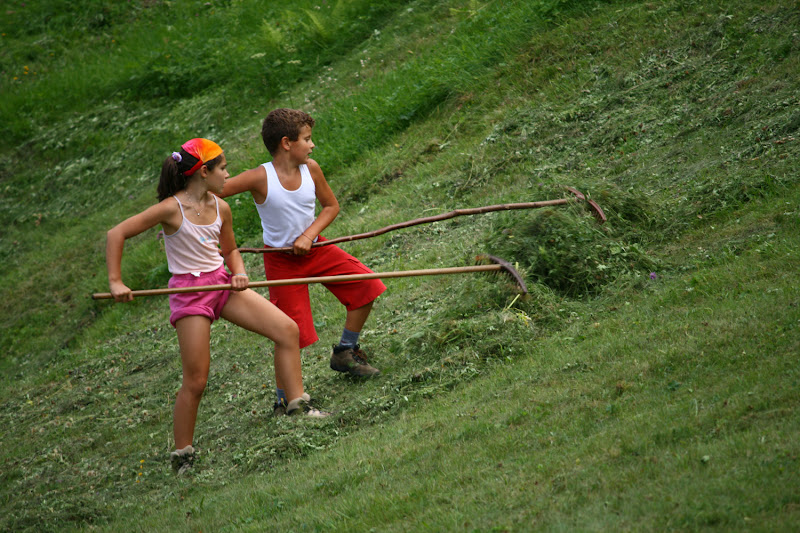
<point x="285" y="143"/>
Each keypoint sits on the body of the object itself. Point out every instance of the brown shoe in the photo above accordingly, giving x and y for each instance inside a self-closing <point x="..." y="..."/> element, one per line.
<point x="353" y="361"/>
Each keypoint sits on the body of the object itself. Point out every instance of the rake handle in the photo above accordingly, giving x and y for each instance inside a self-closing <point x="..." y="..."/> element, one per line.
<point x="435" y="218"/>
<point x="306" y="281"/>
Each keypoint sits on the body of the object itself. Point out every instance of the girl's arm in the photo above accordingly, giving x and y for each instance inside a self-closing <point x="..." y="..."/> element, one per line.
<point x="227" y="243"/>
<point x="163" y="213"/>
<point x="330" y="209"/>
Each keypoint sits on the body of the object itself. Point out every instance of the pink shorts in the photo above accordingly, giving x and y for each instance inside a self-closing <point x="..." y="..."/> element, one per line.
<point x="209" y="303"/>
<point x="322" y="261"/>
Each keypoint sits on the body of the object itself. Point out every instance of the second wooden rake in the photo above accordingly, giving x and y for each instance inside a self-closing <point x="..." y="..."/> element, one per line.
<point x="578" y="196"/>
<point x="496" y="265"/>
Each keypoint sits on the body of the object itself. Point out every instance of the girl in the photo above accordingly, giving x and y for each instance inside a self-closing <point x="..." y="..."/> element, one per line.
<point x="197" y="226"/>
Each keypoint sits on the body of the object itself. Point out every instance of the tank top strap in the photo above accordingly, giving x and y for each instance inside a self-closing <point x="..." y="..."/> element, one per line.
<point x="180" y="206"/>
<point x="273" y="183"/>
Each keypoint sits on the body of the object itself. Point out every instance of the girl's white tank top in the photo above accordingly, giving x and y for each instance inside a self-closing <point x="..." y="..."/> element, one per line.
<point x="286" y="214"/>
<point x="194" y="249"/>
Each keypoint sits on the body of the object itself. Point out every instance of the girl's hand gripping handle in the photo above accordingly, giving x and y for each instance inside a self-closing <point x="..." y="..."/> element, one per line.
<point x="120" y="291"/>
<point x="239" y="282"/>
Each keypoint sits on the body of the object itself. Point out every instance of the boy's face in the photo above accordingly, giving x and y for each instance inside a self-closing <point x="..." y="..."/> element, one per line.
<point x="300" y="150"/>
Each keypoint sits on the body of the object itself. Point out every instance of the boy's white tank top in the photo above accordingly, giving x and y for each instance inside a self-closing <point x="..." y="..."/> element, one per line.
<point x="194" y="249"/>
<point x="286" y="214"/>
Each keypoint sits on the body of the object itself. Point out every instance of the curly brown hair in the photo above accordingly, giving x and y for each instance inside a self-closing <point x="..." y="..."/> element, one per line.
<point x="281" y="123"/>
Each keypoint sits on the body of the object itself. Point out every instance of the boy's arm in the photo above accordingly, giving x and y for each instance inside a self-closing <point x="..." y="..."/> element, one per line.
<point x="330" y="209"/>
<point x="327" y="201"/>
<point x="227" y="243"/>
<point x="163" y="213"/>
<point x="254" y="181"/>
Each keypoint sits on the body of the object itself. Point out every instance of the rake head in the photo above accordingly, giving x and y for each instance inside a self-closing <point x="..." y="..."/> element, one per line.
<point x="597" y="212"/>
<point x="507" y="268"/>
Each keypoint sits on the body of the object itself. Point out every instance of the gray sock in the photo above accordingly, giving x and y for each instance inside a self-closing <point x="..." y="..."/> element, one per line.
<point x="349" y="338"/>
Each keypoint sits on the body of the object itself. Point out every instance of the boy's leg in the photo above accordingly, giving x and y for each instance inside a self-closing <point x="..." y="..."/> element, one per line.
<point x="353" y="323"/>
<point x="358" y="298"/>
<point x="355" y="319"/>
<point x="293" y="300"/>
<point x="193" y="339"/>
<point x="254" y="313"/>
<point x="347" y="355"/>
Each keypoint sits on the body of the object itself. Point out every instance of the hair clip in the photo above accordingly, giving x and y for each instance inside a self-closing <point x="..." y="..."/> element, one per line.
<point x="177" y="157"/>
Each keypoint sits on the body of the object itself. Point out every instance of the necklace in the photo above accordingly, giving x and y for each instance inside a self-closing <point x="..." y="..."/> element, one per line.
<point x="194" y="204"/>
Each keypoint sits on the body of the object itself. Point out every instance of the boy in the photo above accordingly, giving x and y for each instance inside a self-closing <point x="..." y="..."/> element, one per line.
<point x="284" y="191"/>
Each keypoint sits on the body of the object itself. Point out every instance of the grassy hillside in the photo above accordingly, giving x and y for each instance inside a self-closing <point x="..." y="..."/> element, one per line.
<point x="649" y="381"/>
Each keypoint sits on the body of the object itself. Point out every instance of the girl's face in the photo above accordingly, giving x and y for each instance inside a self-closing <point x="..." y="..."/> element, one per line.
<point x="216" y="178"/>
<point x="300" y="150"/>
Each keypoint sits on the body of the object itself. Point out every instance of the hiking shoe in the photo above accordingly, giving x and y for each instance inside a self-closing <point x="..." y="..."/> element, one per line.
<point x="182" y="460"/>
<point x="353" y="361"/>
<point x="299" y="407"/>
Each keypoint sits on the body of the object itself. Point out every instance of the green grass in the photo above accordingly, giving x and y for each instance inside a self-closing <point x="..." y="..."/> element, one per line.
<point x="648" y="382"/>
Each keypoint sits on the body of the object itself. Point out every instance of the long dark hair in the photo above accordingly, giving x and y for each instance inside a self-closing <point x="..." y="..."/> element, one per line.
<point x="172" y="178"/>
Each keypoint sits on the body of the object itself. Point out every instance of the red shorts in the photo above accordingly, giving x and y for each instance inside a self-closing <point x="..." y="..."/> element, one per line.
<point x="209" y="303"/>
<point x="321" y="261"/>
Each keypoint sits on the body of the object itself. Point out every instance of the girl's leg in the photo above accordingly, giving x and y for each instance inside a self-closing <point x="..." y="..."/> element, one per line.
<point x="193" y="338"/>
<point x="251" y="311"/>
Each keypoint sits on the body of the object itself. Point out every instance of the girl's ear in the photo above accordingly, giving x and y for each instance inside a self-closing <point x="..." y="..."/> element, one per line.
<point x="203" y="171"/>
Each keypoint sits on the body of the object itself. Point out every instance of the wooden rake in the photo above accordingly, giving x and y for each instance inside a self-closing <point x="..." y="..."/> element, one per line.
<point x="577" y="196"/>
<point x="495" y="264"/>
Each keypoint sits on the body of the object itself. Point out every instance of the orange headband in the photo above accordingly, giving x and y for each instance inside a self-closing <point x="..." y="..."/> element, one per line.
<point x="202" y="149"/>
